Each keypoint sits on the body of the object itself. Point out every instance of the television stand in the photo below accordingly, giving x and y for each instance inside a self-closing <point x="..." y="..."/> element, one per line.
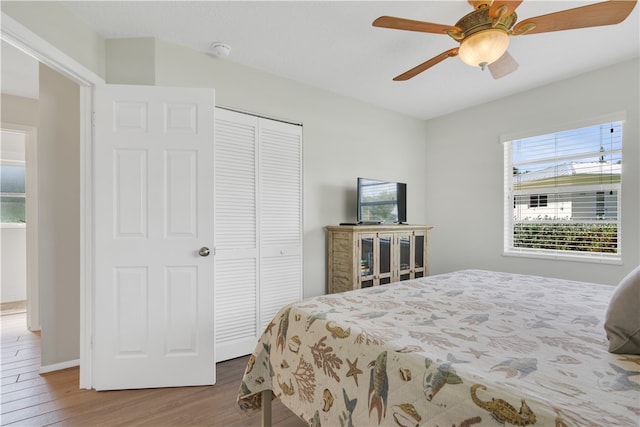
<point x="363" y="255"/>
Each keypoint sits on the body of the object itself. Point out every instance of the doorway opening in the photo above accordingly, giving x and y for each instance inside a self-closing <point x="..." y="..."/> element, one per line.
<point x="33" y="45"/>
<point x="18" y="217"/>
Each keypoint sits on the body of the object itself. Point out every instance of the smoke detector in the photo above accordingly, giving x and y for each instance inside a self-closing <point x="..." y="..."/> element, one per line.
<point x="220" y="49"/>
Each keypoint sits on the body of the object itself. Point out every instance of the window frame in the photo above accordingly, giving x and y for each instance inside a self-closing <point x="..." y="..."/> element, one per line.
<point x="510" y="201"/>
<point x="538" y="200"/>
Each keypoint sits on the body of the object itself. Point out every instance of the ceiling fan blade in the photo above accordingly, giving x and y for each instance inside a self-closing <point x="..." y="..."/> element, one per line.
<point x="503" y="66"/>
<point x="502" y="8"/>
<point x="411" y="25"/>
<point x="593" y="15"/>
<point x="426" y="65"/>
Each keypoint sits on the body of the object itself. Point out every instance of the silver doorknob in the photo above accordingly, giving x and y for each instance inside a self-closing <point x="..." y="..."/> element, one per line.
<point x="204" y="251"/>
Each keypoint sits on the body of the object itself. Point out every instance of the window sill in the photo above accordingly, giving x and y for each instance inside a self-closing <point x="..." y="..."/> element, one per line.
<point x="13" y="225"/>
<point x="557" y="256"/>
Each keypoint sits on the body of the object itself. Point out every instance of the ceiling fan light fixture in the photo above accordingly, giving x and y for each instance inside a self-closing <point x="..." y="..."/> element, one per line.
<point x="484" y="47"/>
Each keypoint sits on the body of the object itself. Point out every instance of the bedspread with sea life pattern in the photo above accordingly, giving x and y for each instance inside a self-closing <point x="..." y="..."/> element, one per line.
<point x="470" y="348"/>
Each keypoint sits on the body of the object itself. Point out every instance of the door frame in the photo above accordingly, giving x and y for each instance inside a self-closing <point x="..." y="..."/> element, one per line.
<point x="33" y="45"/>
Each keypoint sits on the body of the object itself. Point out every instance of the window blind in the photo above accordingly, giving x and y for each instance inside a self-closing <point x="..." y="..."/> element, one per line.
<point x="563" y="193"/>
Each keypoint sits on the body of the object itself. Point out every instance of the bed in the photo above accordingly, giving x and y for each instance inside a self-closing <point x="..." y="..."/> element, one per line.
<point x="469" y="348"/>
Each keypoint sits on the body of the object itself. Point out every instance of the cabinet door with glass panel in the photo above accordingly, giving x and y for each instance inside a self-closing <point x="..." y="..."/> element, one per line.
<point x="411" y="255"/>
<point x="361" y="256"/>
<point x="376" y="251"/>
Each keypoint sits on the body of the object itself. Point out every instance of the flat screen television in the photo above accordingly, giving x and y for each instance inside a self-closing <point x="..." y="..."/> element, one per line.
<point x="381" y="202"/>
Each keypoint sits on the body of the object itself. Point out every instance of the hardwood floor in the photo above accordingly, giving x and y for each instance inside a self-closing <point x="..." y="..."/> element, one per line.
<point x="31" y="399"/>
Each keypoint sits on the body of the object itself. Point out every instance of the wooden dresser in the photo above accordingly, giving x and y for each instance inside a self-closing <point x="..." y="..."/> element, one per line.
<point x="360" y="256"/>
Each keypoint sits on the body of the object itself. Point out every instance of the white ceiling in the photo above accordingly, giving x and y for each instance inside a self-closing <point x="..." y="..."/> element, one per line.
<point x="332" y="45"/>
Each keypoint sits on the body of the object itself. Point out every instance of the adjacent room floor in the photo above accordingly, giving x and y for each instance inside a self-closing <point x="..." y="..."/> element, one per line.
<point x="31" y="399"/>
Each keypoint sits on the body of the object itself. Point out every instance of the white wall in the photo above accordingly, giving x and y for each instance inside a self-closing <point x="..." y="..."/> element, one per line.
<point x="342" y="139"/>
<point x="465" y="168"/>
<point x="13" y="252"/>
<point x="59" y="217"/>
<point x="54" y="23"/>
<point x="19" y="72"/>
<point x="19" y="110"/>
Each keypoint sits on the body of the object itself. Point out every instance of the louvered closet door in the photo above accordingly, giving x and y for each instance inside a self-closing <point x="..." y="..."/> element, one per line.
<point x="280" y="195"/>
<point x="258" y="226"/>
<point x="235" y="228"/>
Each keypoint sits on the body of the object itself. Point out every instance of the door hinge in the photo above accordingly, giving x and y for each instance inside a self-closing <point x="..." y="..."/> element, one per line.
<point x="93" y="119"/>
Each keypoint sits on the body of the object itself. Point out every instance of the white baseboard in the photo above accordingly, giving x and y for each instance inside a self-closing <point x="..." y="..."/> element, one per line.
<point x="59" y="366"/>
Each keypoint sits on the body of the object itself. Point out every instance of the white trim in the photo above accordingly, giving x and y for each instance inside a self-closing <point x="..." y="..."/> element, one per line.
<point x="59" y="366"/>
<point x="33" y="45"/>
<point x="27" y="41"/>
<point x="619" y="116"/>
<point x="262" y="116"/>
<point x="559" y="256"/>
<point x="7" y="162"/>
<point x="86" y="236"/>
<point x="13" y="225"/>
<point x="509" y="195"/>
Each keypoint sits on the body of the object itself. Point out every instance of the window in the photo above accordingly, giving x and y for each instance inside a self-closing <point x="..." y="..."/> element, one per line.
<point x="538" y="201"/>
<point x="562" y="194"/>
<point x="12" y="194"/>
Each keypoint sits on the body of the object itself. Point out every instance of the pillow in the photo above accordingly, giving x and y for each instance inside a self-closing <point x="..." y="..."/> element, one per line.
<point x="622" y="321"/>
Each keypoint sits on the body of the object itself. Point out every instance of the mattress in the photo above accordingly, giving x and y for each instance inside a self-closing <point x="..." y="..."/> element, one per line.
<point x="469" y="348"/>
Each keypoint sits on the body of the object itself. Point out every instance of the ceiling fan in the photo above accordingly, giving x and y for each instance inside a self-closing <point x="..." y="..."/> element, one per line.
<point x="484" y="33"/>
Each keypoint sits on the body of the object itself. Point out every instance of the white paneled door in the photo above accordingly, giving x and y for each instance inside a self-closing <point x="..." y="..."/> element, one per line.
<point x="153" y="294"/>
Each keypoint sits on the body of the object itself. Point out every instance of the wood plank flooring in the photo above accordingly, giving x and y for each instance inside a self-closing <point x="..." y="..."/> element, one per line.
<point x="30" y="399"/>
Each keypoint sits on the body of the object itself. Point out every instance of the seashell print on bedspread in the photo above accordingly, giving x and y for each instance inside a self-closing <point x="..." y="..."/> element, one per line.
<point x="472" y="348"/>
